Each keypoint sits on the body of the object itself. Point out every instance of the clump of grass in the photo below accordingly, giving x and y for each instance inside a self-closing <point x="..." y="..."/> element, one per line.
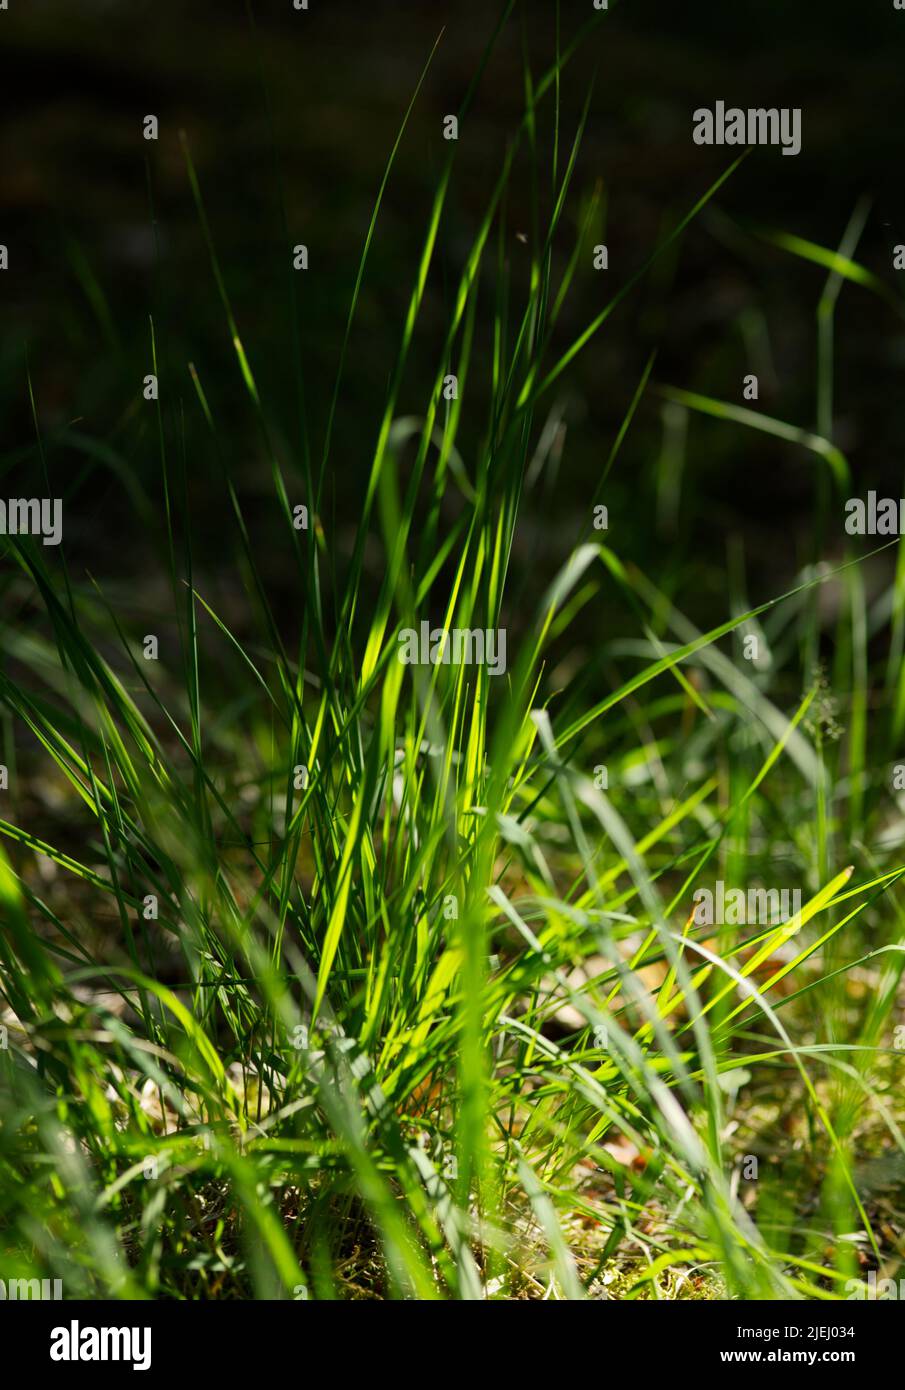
<point x="348" y="978"/>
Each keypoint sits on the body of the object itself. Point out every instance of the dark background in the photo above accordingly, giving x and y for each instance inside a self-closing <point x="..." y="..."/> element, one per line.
<point x="77" y="180"/>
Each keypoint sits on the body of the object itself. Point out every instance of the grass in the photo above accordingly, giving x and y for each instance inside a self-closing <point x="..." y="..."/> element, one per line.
<point x="332" y="977"/>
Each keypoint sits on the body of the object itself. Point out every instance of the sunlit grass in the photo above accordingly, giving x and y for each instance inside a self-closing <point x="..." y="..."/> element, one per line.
<point x="347" y="978"/>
